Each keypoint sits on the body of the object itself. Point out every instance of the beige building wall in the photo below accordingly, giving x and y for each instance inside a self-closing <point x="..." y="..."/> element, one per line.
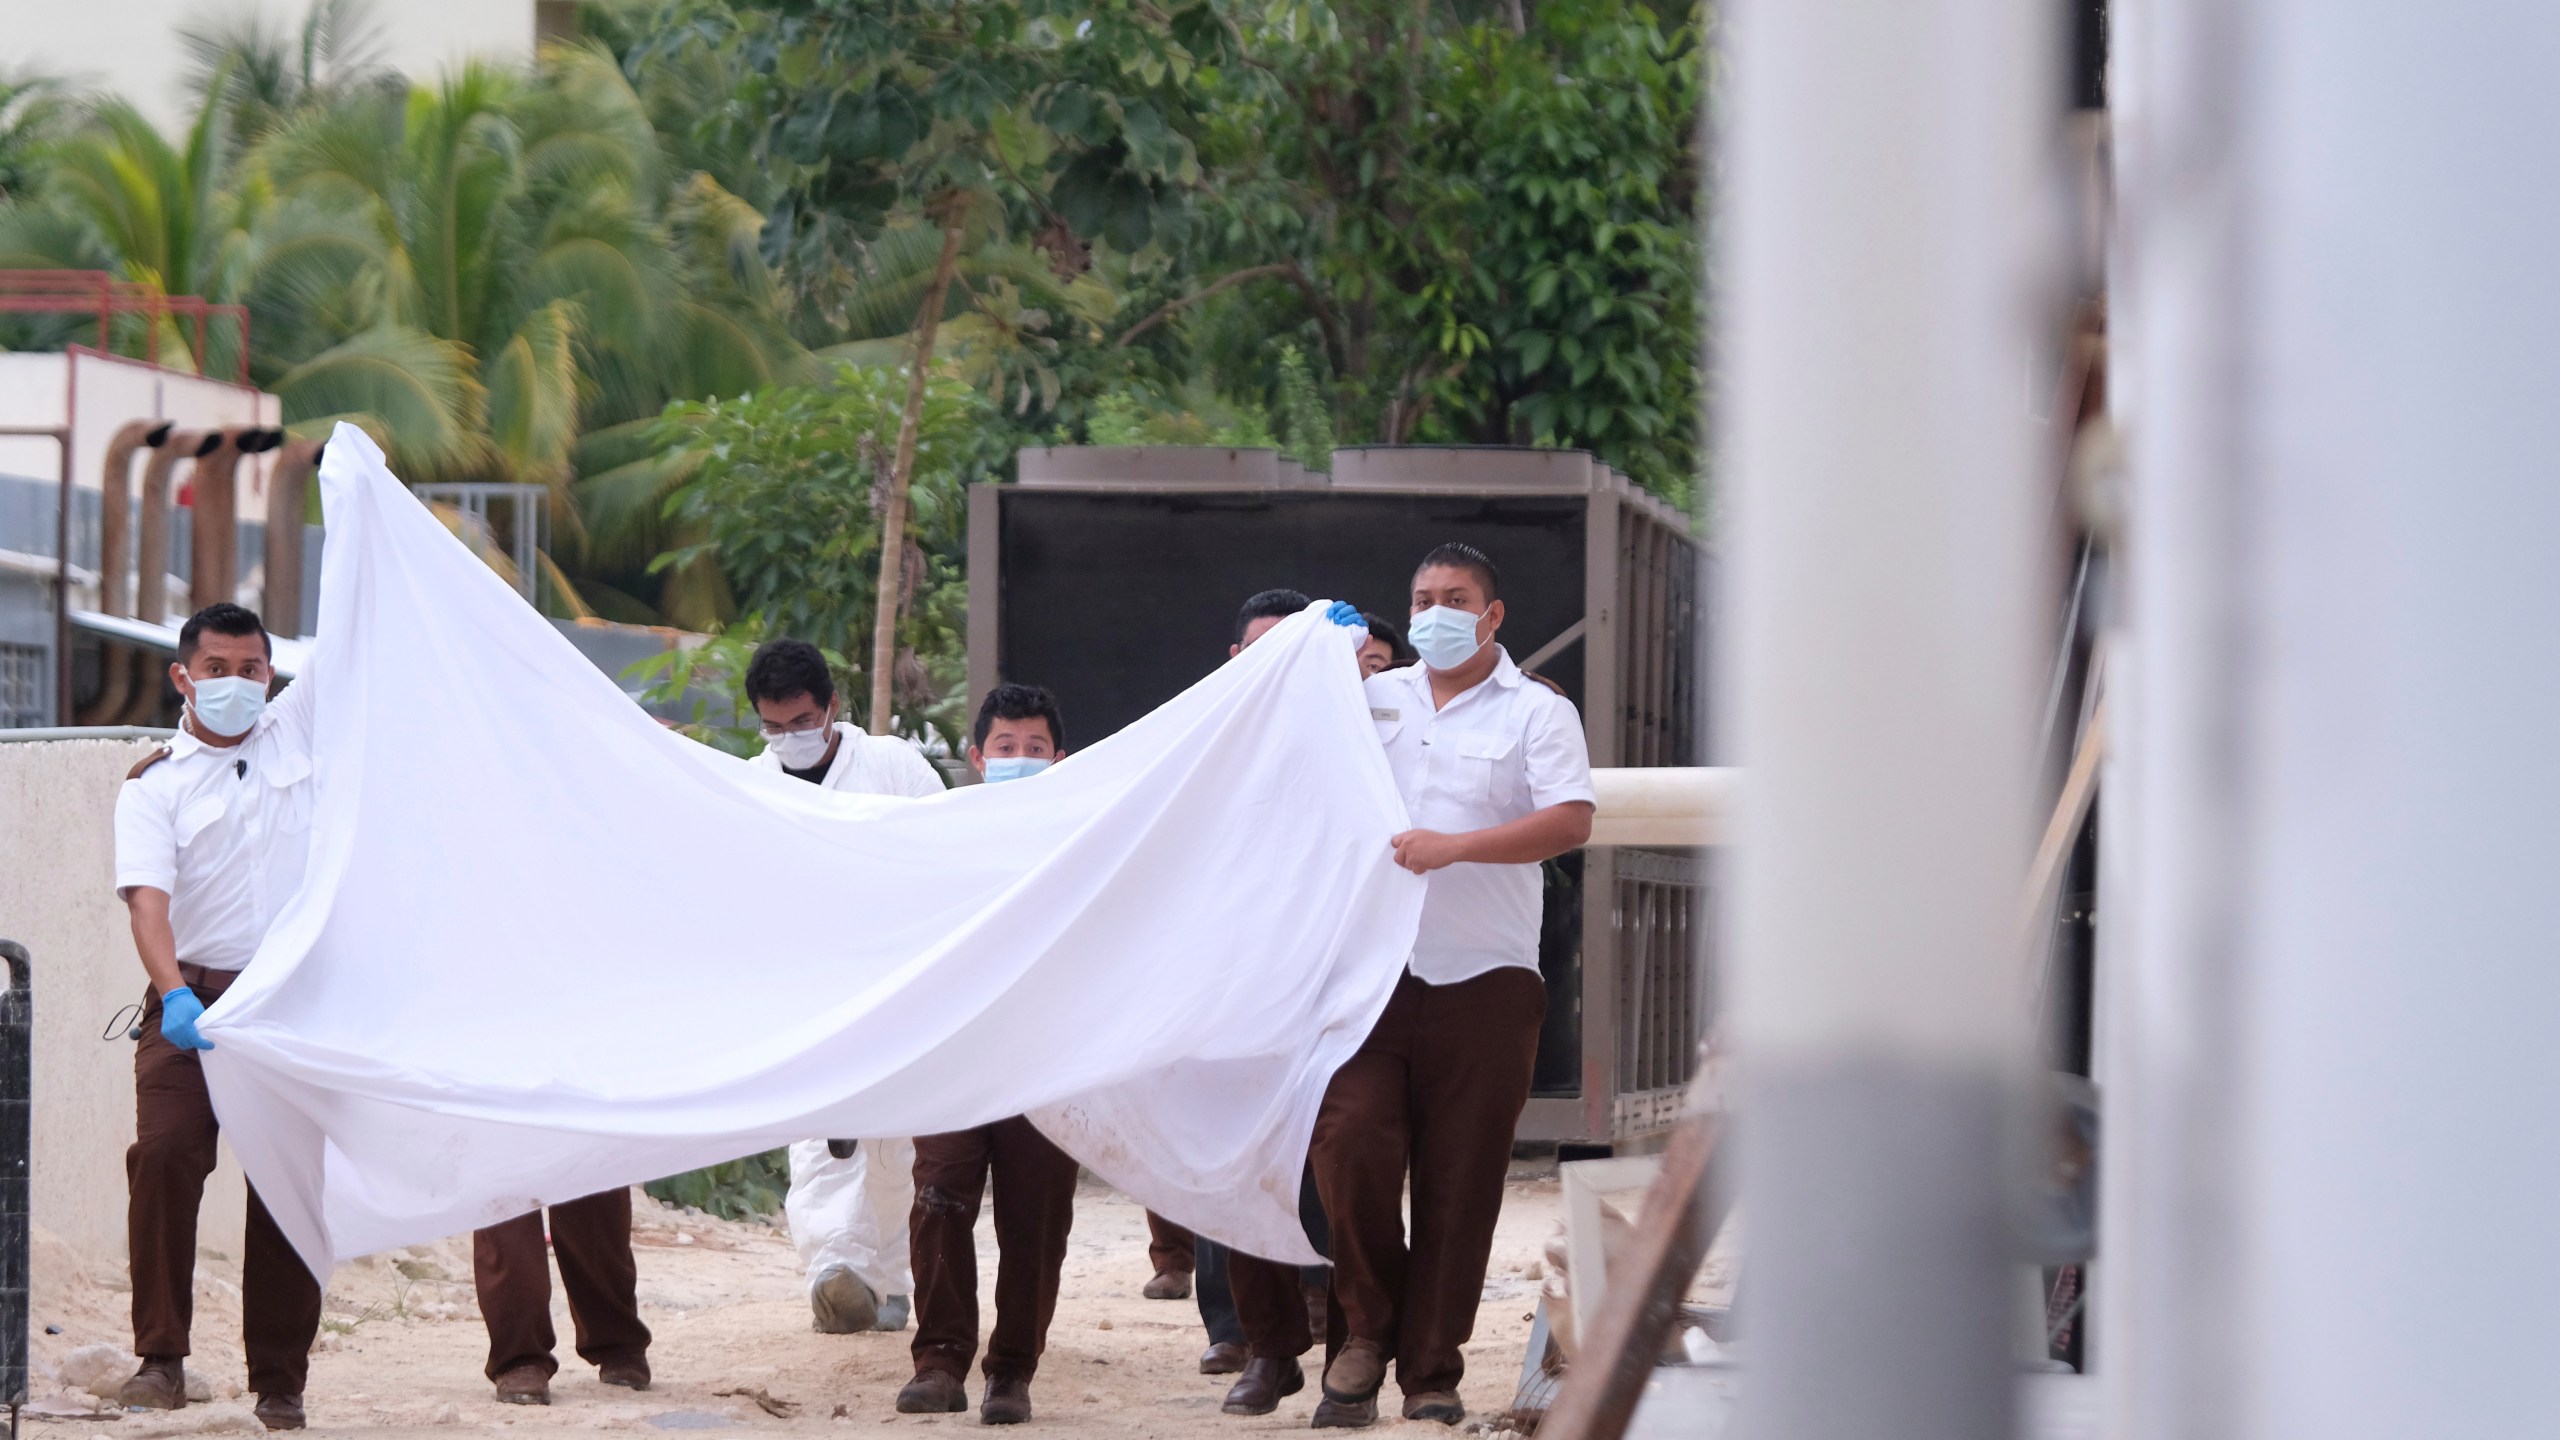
<point x="57" y="898"/>
<point x="130" y="47"/>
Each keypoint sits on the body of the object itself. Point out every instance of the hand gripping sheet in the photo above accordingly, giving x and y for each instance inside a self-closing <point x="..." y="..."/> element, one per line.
<point x="546" y="947"/>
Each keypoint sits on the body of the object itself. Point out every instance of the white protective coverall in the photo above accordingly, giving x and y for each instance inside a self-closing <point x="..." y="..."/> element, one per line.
<point x="852" y="1213"/>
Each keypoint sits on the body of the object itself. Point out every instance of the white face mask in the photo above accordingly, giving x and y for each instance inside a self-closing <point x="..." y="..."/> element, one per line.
<point x="1445" y="637"/>
<point x="801" y="749"/>
<point x="1001" y="768"/>
<point x="228" y="705"/>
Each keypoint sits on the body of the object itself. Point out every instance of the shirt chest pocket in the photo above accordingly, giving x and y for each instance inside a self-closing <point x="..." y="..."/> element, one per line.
<point x="1481" y="766"/>
<point x="199" y="814"/>
<point x="289" y="792"/>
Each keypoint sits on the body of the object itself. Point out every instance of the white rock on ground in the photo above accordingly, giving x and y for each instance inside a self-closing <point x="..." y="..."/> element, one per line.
<point x="99" y="1369"/>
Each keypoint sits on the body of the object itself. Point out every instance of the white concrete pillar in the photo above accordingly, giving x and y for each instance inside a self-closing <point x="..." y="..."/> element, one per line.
<point x="2334" y="1167"/>
<point x="1887" y="605"/>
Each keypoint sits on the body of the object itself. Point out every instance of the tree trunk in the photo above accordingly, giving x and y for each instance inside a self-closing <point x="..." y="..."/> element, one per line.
<point x="893" y="525"/>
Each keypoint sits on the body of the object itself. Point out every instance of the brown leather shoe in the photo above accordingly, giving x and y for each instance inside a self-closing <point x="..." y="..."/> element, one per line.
<point x="1266" y="1380"/>
<point x="161" y="1384"/>
<point x="629" y="1374"/>
<point x="1438" y="1405"/>
<point x="1169" y="1285"/>
<point x="1224" y="1358"/>
<point x="280" y="1412"/>
<point x="1008" y="1401"/>
<point x="933" y="1392"/>
<point x="525" y="1385"/>
<point x="1332" y="1414"/>
<point x="1356" y="1373"/>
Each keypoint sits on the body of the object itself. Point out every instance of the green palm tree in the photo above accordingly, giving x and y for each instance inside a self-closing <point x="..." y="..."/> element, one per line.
<point x="532" y="223"/>
<point x="186" y="219"/>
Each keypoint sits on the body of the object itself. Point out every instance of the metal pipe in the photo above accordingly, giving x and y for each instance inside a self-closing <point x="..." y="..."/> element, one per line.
<point x="151" y="548"/>
<point x="288" y="499"/>
<point x="216" y="576"/>
<point x="115" y="494"/>
<point x="1883" y="157"/>
<point x="116" y="665"/>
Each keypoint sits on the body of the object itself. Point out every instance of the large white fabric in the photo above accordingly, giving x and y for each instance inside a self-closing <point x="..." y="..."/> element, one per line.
<point x="545" y="946"/>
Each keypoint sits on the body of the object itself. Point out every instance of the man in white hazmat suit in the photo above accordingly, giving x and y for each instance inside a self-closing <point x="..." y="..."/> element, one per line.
<point x="848" y="1211"/>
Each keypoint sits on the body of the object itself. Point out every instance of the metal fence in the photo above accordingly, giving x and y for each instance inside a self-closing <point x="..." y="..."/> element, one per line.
<point x="1663" y="923"/>
<point x="509" y="520"/>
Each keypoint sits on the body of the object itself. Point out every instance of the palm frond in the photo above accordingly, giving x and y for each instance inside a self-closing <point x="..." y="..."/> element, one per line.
<point x="417" y="388"/>
<point x="533" y="398"/>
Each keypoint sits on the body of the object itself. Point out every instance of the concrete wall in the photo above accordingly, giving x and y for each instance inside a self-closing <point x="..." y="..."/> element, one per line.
<point x="130" y="47"/>
<point x="57" y="897"/>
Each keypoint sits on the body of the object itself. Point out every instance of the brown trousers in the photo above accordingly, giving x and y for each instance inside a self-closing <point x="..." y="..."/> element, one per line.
<point x="1035" y="1204"/>
<point x="1271" y="1296"/>
<point x="592" y="1238"/>
<point x="1169" y="1246"/>
<point x="1436" y="1090"/>
<point x="165" y="1170"/>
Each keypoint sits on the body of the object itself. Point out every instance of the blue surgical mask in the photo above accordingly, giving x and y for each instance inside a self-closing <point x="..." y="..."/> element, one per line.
<point x="228" y="705"/>
<point x="1013" y="767"/>
<point x="1444" y="637"/>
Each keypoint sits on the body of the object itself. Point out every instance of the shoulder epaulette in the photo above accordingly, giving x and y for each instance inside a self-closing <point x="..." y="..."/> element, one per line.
<point x="1543" y="680"/>
<point x="146" y="762"/>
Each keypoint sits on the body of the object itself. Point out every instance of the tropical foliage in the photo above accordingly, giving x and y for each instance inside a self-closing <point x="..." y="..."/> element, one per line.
<point x="1291" y="222"/>
<point x="785" y="488"/>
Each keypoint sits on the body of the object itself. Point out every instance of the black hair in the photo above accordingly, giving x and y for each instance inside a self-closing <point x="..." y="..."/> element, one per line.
<point x="222" y="618"/>
<point x="1399" y="651"/>
<point x="1459" y="555"/>
<point x="1019" y="702"/>
<point x="785" y="668"/>
<point x="1269" y="605"/>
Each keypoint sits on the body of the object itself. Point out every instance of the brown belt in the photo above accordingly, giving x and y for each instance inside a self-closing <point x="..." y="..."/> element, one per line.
<point x="202" y="980"/>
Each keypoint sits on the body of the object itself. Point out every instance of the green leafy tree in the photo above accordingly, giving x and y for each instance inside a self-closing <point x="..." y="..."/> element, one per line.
<point x="1478" y="222"/>
<point x="784" y="488"/>
<point x="35" y="111"/>
<point x="965" y="119"/>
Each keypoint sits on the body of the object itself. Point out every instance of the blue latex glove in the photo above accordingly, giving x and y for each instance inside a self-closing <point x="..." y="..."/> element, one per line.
<point x="1347" y="615"/>
<point x="179" y="1012"/>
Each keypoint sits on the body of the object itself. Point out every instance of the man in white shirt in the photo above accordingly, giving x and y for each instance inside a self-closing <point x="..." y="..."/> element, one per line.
<point x="1496" y="777"/>
<point x="849" y="1200"/>
<point x="211" y="834"/>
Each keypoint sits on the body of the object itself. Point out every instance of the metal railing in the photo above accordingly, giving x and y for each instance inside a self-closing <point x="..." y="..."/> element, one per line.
<point x="519" y="528"/>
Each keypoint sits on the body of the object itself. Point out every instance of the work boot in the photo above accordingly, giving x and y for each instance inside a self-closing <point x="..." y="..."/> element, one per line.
<point x="1440" y="1405"/>
<point x="933" y="1392"/>
<point x="1267" y="1380"/>
<point x="1169" y="1285"/>
<point x="840" y="1304"/>
<point x="1332" y="1414"/>
<point x="525" y="1385"/>
<point x="894" y="1312"/>
<point x="630" y="1374"/>
<point x="1224" y="1358"/>
<point x="279" y="1412"/>
<point x="1356" y="1373"/>
<point x="161" y="1384"/>
<point x="1008" y="1401"/>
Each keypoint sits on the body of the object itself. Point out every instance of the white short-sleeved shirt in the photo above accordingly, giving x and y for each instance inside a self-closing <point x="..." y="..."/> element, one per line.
<point x="1506" y="748"/>
<point x="868" y="764"/>
<point x="224" y="831"/>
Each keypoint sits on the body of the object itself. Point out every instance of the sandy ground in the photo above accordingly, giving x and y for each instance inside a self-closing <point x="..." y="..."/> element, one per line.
<point x="402" y="1348"/>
